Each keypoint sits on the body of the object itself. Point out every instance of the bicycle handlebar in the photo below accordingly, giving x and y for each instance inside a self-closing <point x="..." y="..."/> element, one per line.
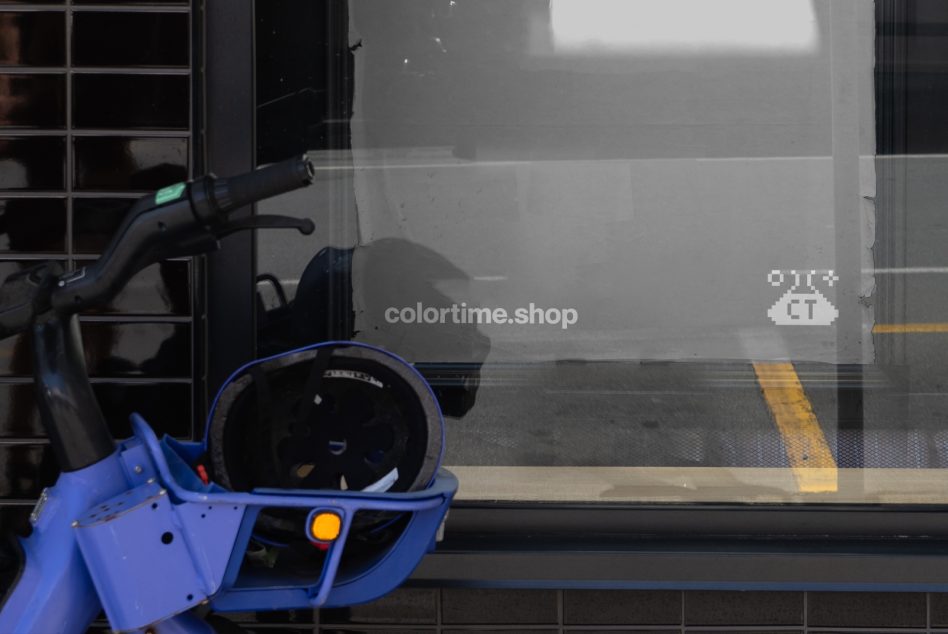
<point x="177" y="221"/>
<point x="239" y="191"/>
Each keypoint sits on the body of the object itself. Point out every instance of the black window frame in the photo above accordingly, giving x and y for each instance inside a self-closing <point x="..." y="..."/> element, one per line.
<point x="668" y="546"/>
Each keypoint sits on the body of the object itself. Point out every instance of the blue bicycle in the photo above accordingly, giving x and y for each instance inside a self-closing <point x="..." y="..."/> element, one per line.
<point x="329" y="456"/>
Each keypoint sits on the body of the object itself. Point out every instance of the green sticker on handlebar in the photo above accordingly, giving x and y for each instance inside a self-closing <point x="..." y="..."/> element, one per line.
<point x="172" y="192"/>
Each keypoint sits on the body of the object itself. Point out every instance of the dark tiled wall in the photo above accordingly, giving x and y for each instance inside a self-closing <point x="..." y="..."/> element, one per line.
<point x="95" y="110"/>
<point x="450" y="610"/>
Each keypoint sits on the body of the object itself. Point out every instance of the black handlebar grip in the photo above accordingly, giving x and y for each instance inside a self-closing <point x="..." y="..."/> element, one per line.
<point x="279" y="178"/>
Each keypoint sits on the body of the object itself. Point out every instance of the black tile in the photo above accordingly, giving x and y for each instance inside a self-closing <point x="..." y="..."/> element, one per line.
<point x="95" y="221"/>
<point x="16" y="355"/>
<point x="9" y="267"/>
<point x="32" y="101"/>
<point x="744" y="631"/>
<point x="116" y="350"/>
<point x="34" y="163"/>
<point x="860" y="631"/>
<point x="160" y="289"/>
<point x="25" y="470"/>
<point x="866" y="609"/>
<point x="462" y="606"/>
<point x="495" y="631"/>
<point x="19" y="417"/>
<point x="136" y="164"/>
<point x="621" y="607"/>
<point x="743" y="608"/>
<point x="166" y="407"/>
<point x="282" y="629"/>
<point x="416" y="606"/>
<point x="286" y="618"/>
<point x="15" y="518"/>
<point x="33" y="225"/>
<point x="384" y="630"/>
<point x="628" y="631"/>
<point x="939" y="607"/>
<point x="182" y="2"/>
<point x="130" y="39"/>
<point x="130" y="101"/>
<point x="33" y="38"/>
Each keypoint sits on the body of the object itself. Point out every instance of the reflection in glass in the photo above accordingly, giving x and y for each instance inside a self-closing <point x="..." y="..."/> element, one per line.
<point x="153" y="350"/>
<point x="323" y="307"/>
<point x="32" y="225"/>
<point x="32" y="100"/>
<point x="160" y="289"/>
<point x="115" y="350"/>
<point x="36" y="163"/>
<point x="117" y="163"/>
<point x="649" y="168"/>
<point x="95" y="221"/>
<point x="33" y="38"/>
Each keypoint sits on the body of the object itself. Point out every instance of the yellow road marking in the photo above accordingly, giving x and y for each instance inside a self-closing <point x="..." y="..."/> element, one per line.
<point x="902" y="329"/>
<point x="809" y="455"/>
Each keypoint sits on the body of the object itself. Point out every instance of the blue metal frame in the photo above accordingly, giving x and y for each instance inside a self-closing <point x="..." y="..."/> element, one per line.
<point x="139" y="535"/>
<point x="54" y="592"/>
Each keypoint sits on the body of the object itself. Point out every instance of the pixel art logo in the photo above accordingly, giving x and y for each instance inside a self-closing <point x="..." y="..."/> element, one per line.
<point x="805" y="306"/>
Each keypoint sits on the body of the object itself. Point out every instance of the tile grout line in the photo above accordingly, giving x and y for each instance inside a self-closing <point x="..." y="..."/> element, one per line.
<point x="682" y="616"/>
<point x="806" y="611"/>
<point x="197" y="367"/>
<point x="70" y="159"/>
<point x="438" y="610"/>
<point x="560" y="594"/>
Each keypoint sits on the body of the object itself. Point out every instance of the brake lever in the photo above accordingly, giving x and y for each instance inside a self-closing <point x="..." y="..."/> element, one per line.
<point x="210" y="241"/>
<point x="303" y="225"/>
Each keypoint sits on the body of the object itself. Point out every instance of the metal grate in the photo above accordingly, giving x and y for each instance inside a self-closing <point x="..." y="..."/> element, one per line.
<point x="99" y="143"/>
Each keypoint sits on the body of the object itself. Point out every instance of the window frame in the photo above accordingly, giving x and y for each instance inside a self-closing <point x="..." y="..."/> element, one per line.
<point x="681" y="546"/>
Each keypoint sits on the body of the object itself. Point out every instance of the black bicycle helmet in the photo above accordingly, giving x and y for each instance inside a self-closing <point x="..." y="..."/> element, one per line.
<point x="331" y="416"/>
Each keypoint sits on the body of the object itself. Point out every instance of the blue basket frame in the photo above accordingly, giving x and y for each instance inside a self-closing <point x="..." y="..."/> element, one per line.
<point x="208" y="530"/>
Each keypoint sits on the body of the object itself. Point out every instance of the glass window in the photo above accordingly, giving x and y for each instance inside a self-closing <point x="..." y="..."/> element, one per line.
<point x="676" y="251"/>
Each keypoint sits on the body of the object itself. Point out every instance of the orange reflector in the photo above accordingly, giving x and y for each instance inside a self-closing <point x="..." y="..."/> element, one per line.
<point x="325" y="527"/>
